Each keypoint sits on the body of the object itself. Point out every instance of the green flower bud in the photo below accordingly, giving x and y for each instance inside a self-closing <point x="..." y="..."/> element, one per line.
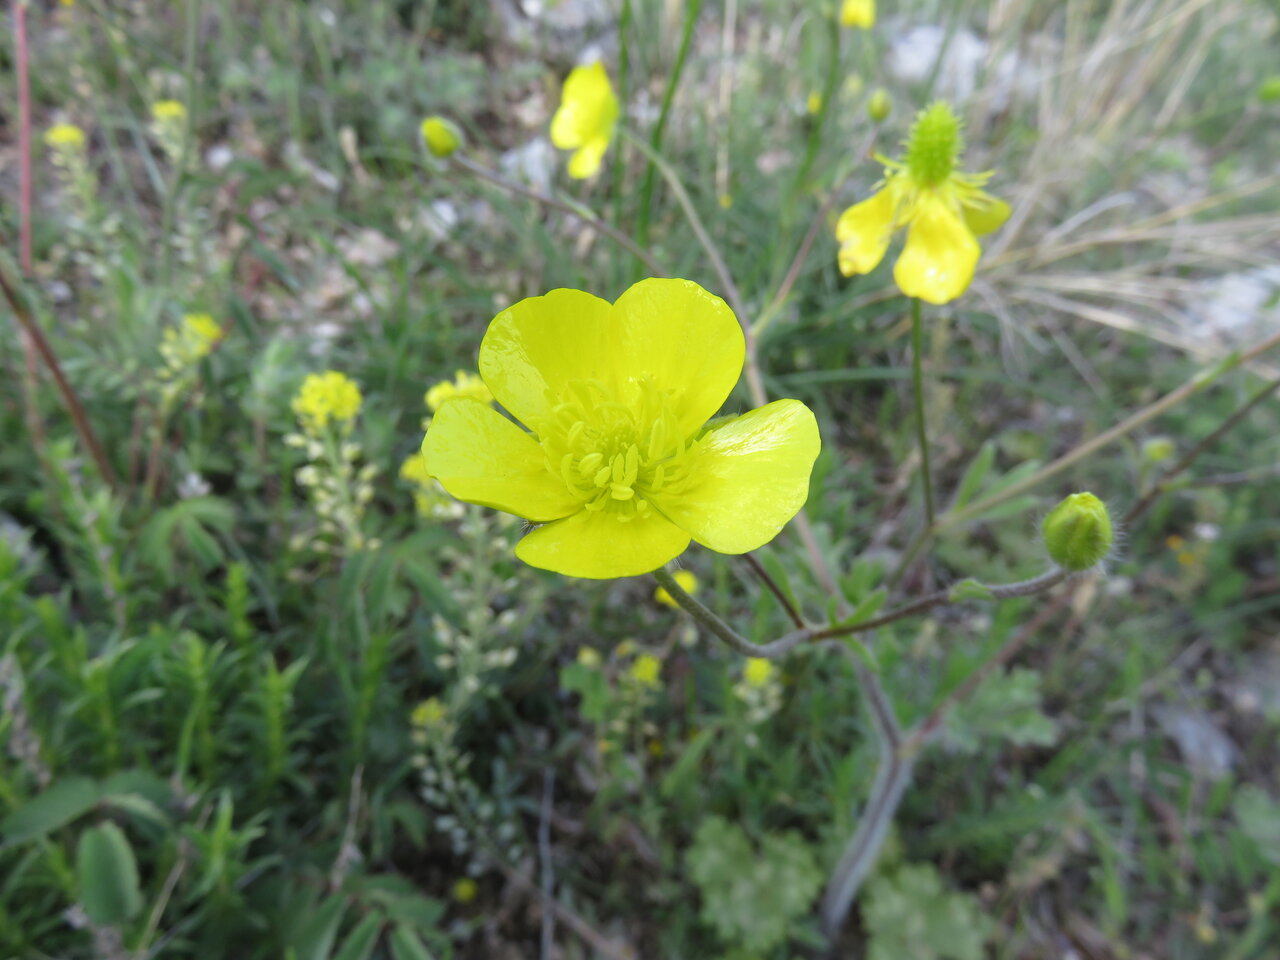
<point x="441" y="137"/>
<point x="1269" y="89"/>
<point x="1158" y="450"/>
<point x="1077" y="532"/>
<point x="934" y="145"/>
<point x="879" y="106"/>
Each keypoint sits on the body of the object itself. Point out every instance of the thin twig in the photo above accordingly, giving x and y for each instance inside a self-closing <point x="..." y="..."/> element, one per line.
<point x="65" y="390"/>
<point x="917" y="389"/>
<point x="590" y="935"/>
<point x="776" y="589"/>
<point x="1190" y="456"/>
<point x="548" y="868"/>
<point x="555" y="203"/>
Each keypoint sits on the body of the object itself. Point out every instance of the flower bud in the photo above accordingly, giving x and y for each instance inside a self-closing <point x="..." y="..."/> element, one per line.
<point x="1077" y="532"/>
<point x="441" y="137"/>
<point x="879" y="106"/>
<point x="1158" y="450"/>
<point x="1269" y="89"/>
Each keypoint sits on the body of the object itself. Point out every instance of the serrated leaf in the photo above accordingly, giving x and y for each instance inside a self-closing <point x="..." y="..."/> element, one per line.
<point x="362" y="939"/>
<point x="752" y="897"/>
<point x="108" y="875"/>
<point x="56" y="807"/>
<point x="909" y="914"/>
<point x="1006" y="706"/>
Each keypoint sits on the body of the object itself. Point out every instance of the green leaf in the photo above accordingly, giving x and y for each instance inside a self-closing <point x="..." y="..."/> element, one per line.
<point x="590" y="684"/>
<point x="752" y="896"/>
<point x="1259" y="817"/>
<point x="407" y="945"/>
<point x="684" y="769"/>
<point x="63" y="802"/>
<point x="362" y="939"/>
<point x="315" y="937"/>
<point x="108" y="875"/>
<point x="975" y="475"/>
<point x="1006" y="706"/>
<point x="909" y="914"/>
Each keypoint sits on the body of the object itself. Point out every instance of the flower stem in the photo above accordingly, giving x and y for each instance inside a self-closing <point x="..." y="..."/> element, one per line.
<point x="917" y="386"/>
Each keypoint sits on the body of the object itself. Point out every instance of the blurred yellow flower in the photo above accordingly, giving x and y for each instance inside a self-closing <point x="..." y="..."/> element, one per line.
<point x="327" y="396"/>
<point x="941" y="209"/>
<point x="814" y="103"/>
<point x="586" y="119"/>
<point x="428" y="713"/>
<point x="414" y="469"/>
<point x="758" y="672"/>
<point x="465" y="890"/>
<point x="858" y="13"/>
<point x="463" y="385"/>
<point x="168" y="111"/>
<point x="688" y="583"/>
<point x="441" y="136"/>
<point x="646" y="670"/>
<point x="589" y="657"/>
<point x="621" y="466"/>
<point x="64" y="136"/>
<point x="190" y="341"/>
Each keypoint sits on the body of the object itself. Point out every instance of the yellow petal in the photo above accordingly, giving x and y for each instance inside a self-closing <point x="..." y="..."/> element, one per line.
<point x="535" y="347"/>
<point x="597" y="545"/>
<point x="480" y="456"/>
<point x="588" y="108"/>
<point x="858" y="13"/>
<point x="586" y="160"/>
<point x="938" y="261"/>
<point x="750" y="476"/>
<point x="984" y="213"/>
<point x="684" y="341"/>
<point x="863" y="232"/>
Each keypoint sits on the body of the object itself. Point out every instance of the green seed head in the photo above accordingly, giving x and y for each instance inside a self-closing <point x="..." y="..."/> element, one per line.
<point x="1078" y="533"/>
<point x="934" y="145"/>
<point x="879" y="106"/>
<point x="441" y="136"/>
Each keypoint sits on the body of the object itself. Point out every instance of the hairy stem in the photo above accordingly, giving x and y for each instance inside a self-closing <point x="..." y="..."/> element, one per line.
<point x="917" y="388"/>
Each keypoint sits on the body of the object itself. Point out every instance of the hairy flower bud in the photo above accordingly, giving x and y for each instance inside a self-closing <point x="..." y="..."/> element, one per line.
<point x="1078" y="532"/>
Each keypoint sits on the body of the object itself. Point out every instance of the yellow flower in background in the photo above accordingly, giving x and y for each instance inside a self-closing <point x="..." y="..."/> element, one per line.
<point x="858" y="13"/>
<point x="168" y="111"/>
<point x="428" y="713"/>
<point x="589" y="657"/>
<point x="646" y="670"/>
<point x="64" y="136"/>
<point x="814" y="103"/>
<point x="441" y="137"/>
<point x="941" y="208"/>
<point x="621" y="467"/>
<point x="758" y="672"/>
<point x="585" y="121"/>
<point x="190" y="341"/>
<point x="465" y="890"/>
<point x="325" y="397"/>
<point x="414" y="469"/>
<point x="463" y="385"/>
<point x="688" y="583"/>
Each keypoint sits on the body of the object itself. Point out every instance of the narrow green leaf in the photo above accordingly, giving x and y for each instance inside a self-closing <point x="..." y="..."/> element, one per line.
<point x="974" y="476"/>
<point x="407" y="945"/>
<point x="361" y="940"/>
<point x="56" y="807"/>
<point x="314" y="939"/>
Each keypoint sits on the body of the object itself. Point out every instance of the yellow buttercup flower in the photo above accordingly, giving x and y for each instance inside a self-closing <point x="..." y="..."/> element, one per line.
<point x="858" y="13"/>
<point x="688" y="583"/>
<point x="463" y="385"/>
<point x="192" y="340"/>
<point x="168" y="111"/>
<point x="585" y="121"/>
<point x="941" y="208"/>
<point x="646" y="670"/>
<point x="758" y="672"/>
<point x="621" y="466"/>
<point x="325" y="397"/>
<point x="64" y="136"/>
<point x="441" y="137"/>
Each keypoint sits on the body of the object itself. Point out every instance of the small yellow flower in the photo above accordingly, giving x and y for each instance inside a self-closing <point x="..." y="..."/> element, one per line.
<point x="168" y="111"/>
<point x="726" y="201"/>
<point x="814" y="103"/>
<point x="858" y="13"/>
<point x="621" y="467"/>
<point x="586" y="119"/>
<point x="327" y="396"/>
<point x="758" y="672"/>
<point x="646" y="670"/>
<point x="465" y="891"/>
<point x="688" y="583"/>
<point x="192" y="340"/>
<point x="879" y="105"/>
<point x="1174" y="542"/>
<point x="441" y="136"/>
<point x="64" y="136"/>
<point x="589" y="657"/>
<point x="941" y="209"/>
<point x="464" y="385"/>
<point x="428" y="713"/>
<point x="414" y="469"/>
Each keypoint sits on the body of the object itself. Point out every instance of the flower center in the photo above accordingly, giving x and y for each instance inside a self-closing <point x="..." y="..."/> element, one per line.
<point x="616" y="453"/>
